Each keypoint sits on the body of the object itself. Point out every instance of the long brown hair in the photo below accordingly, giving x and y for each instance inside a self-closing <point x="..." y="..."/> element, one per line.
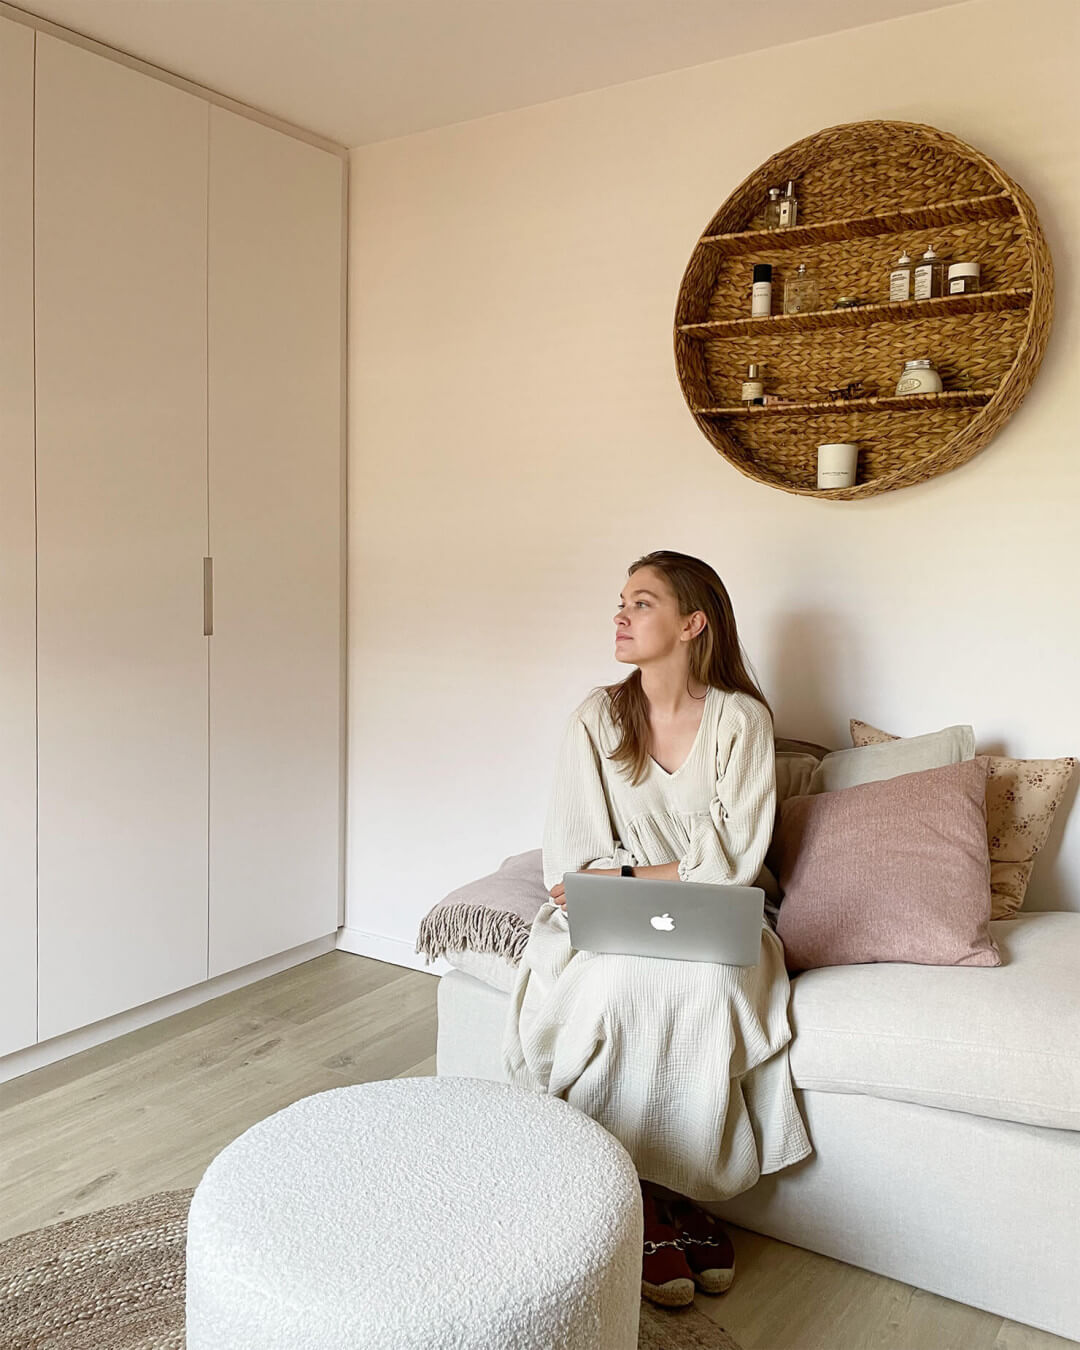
<point x="716" y="657"/>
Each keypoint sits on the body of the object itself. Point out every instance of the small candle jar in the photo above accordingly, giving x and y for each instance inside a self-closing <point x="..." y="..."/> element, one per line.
<point x="836" y="461"/>
<point x="963" y="278"/>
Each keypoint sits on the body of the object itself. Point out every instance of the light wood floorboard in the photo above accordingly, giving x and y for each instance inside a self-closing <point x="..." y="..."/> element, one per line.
<point x="149" y="1110"/>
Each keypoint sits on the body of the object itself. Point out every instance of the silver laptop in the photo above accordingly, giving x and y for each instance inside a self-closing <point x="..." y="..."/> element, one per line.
<point x="680" y="920"/>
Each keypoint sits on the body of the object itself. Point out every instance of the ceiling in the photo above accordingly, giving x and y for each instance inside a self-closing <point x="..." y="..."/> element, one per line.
<point x="358" y="71"/>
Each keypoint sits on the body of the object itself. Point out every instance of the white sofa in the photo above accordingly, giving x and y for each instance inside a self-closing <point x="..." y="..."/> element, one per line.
<point x="943" y="1104"/>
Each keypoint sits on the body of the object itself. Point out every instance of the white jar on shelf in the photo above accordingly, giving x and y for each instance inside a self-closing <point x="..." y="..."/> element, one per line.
<point x="919" y="377"/>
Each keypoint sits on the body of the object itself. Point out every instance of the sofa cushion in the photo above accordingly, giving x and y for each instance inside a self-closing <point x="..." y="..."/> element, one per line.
<point x="785" y="745"/>
<point x="1022" y="796"/>
<point x="794" y="770"/>
<point x="894" y="870"/>
<point x="889" y="759"/>
<point x="487" y="967"/>
<point x="1001" y="1042"/>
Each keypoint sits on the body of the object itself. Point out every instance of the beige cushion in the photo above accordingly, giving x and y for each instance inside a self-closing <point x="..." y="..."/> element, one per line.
<point x="487" y="967"/>
<point x="1022" y="797"/>
<point x="785" y="743"/>
<point x="794" y="769"/>
<point x="1003" y="1043"/>
<point x="895" y="870"/>
<point x="871" y="763"/>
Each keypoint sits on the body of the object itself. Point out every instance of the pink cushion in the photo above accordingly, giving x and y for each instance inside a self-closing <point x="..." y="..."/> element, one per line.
<point x="896" y="870"/>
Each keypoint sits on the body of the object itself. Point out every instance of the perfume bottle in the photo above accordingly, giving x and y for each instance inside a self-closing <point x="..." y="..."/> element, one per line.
<point x="929" y="276"/>
<point x="761" y="291"/>
<point x="800" y="292"/>
<point x="789" y="206"/>
<point x="753" y="390"/>
<point x="772" y="209"/>
<point x="900" y="278"/>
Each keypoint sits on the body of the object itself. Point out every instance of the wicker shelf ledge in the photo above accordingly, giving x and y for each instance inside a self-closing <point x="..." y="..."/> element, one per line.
<point x="995" y="206"/>
<point x="862" y="316"/>
<point x="951" y="398"/>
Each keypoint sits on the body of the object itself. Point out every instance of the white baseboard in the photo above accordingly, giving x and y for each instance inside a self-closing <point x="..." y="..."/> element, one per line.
<point x="394" y="950"/>
<point x="60" y="1047"/>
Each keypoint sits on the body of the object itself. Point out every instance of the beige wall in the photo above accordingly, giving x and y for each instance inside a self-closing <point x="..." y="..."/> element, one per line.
<point x="518" y="437"/>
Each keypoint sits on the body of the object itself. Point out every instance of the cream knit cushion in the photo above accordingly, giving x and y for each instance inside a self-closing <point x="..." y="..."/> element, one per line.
<point x="913" y="754"/>
<point x="417" y="1213"/>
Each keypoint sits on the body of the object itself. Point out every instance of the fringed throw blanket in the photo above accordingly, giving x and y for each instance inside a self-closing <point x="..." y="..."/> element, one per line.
<point x="685" y="1062"/>
<point x="493" y="914"/>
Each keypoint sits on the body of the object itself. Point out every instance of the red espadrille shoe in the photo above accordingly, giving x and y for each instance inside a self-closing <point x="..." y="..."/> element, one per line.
<point x="706" y="1246"/>
<point x="666" y="1279"/>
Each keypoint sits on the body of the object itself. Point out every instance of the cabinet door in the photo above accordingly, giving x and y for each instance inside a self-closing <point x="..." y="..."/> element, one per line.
<point x="18" y="769"/>
<point x="122" y="531"/>
<point x="276" y="505"/>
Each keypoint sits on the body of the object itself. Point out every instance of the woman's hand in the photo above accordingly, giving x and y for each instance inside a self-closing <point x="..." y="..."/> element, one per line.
<point x="558" y="891"/>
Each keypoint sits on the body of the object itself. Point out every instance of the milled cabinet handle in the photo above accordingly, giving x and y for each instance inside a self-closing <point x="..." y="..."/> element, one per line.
<point x="208" y="597"/>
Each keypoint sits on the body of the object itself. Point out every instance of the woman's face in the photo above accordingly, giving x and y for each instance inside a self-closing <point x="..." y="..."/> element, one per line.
<point x="648" y="625"/>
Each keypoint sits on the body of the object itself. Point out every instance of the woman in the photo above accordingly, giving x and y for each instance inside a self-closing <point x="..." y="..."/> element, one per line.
<point x="669" y="774"/>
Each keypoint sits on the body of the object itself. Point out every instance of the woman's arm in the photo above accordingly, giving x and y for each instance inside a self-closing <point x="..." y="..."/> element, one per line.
<point x="658" y="872"/>
<point x="578" y="833"/>
<point x="728" y="847"/>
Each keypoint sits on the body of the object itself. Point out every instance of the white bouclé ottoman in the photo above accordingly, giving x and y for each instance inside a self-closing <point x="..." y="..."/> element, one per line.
<point x="417" y="1214"/>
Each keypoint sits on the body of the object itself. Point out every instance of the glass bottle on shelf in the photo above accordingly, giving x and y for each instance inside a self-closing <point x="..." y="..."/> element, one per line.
<point x="800" y="292"/>
<point x="900" y="278"/>
<point x="772" y="209"/>
<point x="929" y="276"/>
<point x="789" y="207"/>
<point x="753" y="387"/>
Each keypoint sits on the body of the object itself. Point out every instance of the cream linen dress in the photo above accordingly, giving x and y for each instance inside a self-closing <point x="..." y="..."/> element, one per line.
<point x="685" y="1062"/>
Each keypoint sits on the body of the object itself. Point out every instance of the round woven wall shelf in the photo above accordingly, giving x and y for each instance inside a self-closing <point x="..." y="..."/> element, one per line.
<point x="866" y="191"/>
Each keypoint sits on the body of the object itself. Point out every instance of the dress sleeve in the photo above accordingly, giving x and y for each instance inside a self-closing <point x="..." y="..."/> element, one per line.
<point x="578" y="832"/>
<point x="728" y="846"/>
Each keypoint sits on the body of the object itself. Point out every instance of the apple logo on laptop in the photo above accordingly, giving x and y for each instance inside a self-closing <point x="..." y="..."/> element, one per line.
<point x="663" y="921"/>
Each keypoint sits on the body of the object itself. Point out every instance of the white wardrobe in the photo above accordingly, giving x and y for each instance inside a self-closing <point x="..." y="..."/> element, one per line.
<point x="171" y="538"/>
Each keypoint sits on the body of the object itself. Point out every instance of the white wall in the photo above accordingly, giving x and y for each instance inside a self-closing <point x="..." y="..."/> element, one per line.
<point x="518" y="437"/>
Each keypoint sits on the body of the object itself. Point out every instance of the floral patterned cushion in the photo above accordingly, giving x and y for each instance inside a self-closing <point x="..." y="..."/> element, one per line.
<point x="1022" y="796"/>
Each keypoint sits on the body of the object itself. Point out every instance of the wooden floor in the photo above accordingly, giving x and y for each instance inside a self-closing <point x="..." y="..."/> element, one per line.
<point x="148" y="1111"/>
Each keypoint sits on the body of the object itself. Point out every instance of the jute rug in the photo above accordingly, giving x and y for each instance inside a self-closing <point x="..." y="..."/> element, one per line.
<point x="115" y="1281"/>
